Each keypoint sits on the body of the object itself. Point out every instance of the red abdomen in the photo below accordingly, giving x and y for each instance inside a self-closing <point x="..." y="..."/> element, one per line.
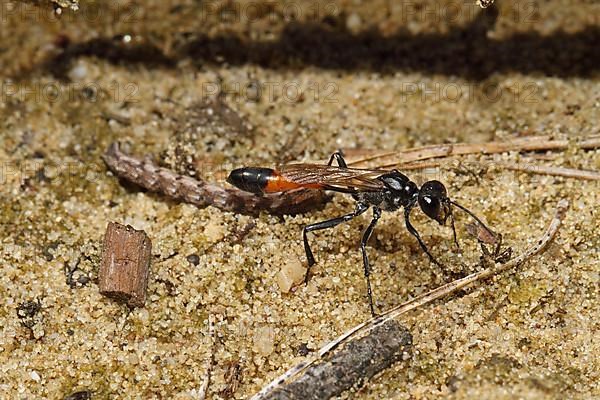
<point x="262" y="180"/>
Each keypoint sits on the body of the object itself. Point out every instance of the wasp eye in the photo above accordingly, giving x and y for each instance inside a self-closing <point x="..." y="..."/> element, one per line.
<point x="430" y="206"/>
<point x="431" y="197"/>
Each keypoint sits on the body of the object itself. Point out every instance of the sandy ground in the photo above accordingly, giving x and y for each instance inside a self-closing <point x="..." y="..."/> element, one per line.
<point x="307" y="78"/>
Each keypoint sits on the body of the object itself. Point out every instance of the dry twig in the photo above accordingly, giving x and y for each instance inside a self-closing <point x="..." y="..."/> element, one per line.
<point x="210" y="362"/>
<point x="390" y="159"/>
<point x="358" y="361"/>
<point x="422" y="300"/>
<point x="525" y="166"/>
<point x="412" y="158"/>
<point x="549" y="170"/>
<point x="180" y="187"/>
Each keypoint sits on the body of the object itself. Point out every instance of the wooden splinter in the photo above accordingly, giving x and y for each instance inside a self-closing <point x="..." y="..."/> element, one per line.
<point x="360" y="360"/>
<point x="123" y="274"/>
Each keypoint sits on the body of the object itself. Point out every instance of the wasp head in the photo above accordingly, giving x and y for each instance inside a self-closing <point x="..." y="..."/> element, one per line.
<point x="433" y="200"/>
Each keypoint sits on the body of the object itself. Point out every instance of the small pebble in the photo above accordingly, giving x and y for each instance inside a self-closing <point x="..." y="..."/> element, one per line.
<point x="303" y="349"/>
<point x="81" y="395"/>
<point x="35" y="376"/>
<point x="290" y="275"/>
<point x="214" y="231"/>
<point x="193" y="259"/>
<point x="78" y="72"/>
<point x="353" y="23"/>
<point x="264" y="340"/>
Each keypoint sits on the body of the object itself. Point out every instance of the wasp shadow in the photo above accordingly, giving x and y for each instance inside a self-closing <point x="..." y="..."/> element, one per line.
<point x="463" y="51"/>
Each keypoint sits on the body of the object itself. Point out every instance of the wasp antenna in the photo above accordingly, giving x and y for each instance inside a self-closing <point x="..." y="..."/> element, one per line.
<point x="475" y="217"/>
<point x="453" y="227"/>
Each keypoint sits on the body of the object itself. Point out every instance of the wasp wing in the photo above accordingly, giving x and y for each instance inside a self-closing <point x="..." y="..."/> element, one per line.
<point x="333" y="178"/>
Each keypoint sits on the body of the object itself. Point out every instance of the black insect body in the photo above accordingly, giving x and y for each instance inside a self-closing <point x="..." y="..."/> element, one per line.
<point x="381" y="190"/>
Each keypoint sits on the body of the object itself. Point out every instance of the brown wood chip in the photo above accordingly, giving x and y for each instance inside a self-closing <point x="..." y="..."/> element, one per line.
<point x="123" y="274"/>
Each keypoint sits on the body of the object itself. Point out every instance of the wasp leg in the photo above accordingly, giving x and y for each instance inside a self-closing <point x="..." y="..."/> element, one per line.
<point x="502" y="257"/>
<point x="330" y="223"/>
<point x="414" y="232"/>
<point x="339" y="158"/>
<point x="363" y="243"/>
